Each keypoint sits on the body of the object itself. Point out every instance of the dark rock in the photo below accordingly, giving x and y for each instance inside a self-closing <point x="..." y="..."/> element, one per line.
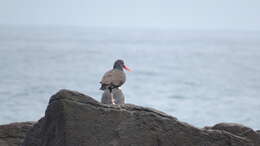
<point x="74" y="119"/>
<point x="239" y="130"/>
<point x="14" y="134"/>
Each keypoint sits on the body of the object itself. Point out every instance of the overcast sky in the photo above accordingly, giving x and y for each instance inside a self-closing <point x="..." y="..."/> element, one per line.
<point x="181" y="14"/>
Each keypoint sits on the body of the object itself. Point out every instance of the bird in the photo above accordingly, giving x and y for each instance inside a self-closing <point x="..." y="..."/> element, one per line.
<point x="113" y="79"/>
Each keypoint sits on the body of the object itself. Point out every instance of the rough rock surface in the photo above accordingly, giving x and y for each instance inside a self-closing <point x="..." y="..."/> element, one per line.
<point x="74" y="119"/>
<point x="239" y="130"/>
<point x="14" y="134"/>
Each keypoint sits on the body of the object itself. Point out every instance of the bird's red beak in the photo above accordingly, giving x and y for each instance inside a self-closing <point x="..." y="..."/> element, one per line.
<point x="127" y="68"/>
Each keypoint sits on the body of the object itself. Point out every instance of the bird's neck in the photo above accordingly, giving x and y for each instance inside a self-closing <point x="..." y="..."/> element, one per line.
<point x="118" y="67"/>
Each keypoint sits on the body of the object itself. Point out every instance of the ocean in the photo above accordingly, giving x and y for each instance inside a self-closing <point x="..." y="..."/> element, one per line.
<point x="201" y="77"/>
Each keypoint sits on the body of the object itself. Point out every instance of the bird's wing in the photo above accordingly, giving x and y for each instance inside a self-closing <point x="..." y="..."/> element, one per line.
<point x="107" y="77"/>
<point x="114" y="77"/>
<point x="118" y="77"/>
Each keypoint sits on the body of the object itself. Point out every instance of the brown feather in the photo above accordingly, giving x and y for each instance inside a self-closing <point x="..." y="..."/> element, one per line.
<point x="113" y="77"/>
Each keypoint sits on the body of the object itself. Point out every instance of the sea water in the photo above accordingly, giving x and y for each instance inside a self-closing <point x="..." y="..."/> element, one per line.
<point x="200" y="77"/>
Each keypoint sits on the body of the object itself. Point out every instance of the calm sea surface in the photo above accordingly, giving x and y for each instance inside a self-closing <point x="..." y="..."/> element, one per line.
<point x="200" y="77"/>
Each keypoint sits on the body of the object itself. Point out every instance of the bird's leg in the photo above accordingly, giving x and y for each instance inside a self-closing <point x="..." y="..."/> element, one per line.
<point x="112" y="96"/>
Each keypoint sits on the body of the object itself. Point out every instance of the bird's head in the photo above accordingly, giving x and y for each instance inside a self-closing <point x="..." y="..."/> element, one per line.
<point x="119" y="64"/>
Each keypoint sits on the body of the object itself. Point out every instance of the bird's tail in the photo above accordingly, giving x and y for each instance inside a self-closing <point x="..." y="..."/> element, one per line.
<point x="103" y="87"/>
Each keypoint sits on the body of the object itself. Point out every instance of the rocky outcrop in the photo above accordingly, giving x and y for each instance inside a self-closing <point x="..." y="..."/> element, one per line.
<point x="74" y="119"/>
<point x="14" y="134"/>
<point x="239" y="130"/>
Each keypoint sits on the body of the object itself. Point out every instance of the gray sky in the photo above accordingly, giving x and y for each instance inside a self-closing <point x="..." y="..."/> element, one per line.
<point x="181" y="14"/>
